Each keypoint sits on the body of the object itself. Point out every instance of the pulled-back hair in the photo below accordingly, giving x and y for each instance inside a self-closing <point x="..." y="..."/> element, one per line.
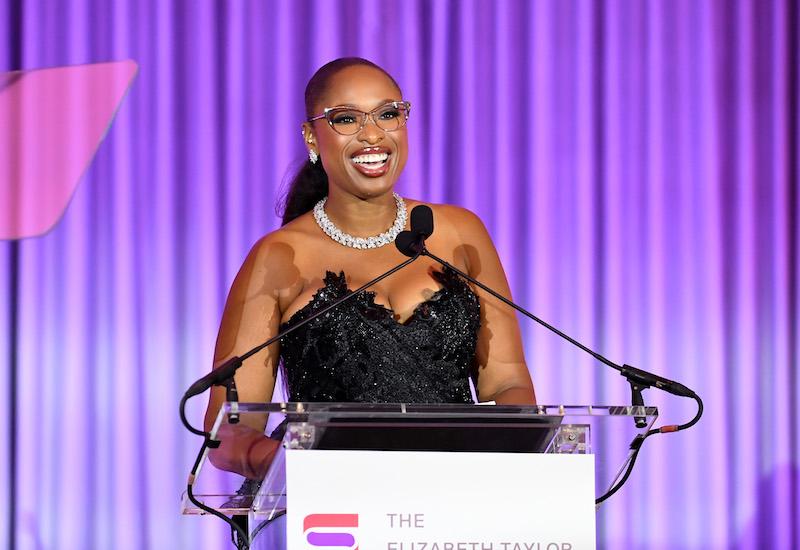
<point x="310" y="184"/>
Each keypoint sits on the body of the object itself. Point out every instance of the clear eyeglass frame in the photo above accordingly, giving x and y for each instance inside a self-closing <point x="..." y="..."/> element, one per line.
<point x="329" y="114"/>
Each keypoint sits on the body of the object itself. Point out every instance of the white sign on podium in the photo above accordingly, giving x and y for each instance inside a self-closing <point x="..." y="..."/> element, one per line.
<point x="407" y="500"/>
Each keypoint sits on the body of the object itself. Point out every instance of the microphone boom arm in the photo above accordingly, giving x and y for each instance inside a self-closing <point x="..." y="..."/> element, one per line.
<point x="224" y="372"/>
<point x="637" y="377"/>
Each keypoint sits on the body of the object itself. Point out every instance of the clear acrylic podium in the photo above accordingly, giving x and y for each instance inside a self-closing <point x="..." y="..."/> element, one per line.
<point x="490" y="431"/>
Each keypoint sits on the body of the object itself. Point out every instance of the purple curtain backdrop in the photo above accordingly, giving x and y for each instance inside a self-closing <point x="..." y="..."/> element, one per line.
<point x="636" y="163"/>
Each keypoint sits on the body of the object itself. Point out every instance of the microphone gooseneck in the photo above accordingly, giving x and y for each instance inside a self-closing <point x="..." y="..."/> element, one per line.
<point x="413" y="243"/>
<point x="223" y="376"/>
<point x="224" y="372"/>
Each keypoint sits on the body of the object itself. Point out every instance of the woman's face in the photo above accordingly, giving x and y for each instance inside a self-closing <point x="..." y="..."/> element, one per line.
<point x="364" y="88"/>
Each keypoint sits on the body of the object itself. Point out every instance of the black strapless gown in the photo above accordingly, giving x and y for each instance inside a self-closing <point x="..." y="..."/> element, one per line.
<point x="360" y="353"/>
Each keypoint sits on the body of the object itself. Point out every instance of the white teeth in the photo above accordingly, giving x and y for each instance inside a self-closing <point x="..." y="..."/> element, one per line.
<point x="370" y="159"/>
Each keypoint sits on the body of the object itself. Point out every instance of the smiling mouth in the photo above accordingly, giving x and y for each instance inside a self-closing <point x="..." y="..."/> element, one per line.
<point x="371" y="161"/>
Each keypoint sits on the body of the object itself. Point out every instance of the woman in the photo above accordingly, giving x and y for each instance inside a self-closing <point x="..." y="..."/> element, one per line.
<point x="418" y="336"/>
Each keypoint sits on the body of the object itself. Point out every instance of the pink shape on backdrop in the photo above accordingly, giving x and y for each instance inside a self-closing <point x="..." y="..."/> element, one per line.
<point x="52" y="122"/>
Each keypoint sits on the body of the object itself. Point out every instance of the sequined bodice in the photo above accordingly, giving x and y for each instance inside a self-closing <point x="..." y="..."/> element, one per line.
<point x="360" y="353"/>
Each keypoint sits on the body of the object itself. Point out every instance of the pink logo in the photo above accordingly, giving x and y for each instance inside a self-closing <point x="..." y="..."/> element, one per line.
<point x="331" y="530"/>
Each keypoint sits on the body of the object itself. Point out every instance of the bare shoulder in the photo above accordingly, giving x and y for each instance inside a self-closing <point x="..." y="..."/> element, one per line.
<point x="283" y="240"/>
<point x="274" y="257"/>
<point x="462" y="224"/>
<point x="465" y="221"/>
<point x="462" y="232"/>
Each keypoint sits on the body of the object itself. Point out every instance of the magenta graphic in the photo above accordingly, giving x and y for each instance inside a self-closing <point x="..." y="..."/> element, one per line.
<point x="331" y="530"/>
<point x="53" y="121"/>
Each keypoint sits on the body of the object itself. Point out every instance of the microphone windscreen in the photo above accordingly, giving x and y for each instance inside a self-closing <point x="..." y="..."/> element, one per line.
<point x="422" y="221"/>
<point x="406" y="243"/>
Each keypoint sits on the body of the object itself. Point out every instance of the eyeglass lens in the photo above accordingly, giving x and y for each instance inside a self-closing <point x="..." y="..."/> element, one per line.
<point x="388" y="117"/>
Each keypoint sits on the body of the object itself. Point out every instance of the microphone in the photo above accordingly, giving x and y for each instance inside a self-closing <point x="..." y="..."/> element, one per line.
<point x="422" y="221"/>
<point x="413" y="243"/>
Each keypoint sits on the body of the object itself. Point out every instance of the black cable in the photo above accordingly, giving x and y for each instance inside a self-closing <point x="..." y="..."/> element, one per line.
<point x="185" y="421"/>
<point x="638" y="379"/>
<point x="227" y="370"/>
<point x="13" y="395"/>
<point x="267" y="522"/>
<point x="638" y="441"/>
<point x="237" y="542"/>
<point x="636" y="445"/>
<point x="15" y="48"/>
<point x="190" y="494"/>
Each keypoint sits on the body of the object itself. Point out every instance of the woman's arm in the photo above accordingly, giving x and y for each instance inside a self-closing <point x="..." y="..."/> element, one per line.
<point x="251" y="316"/>
<point x="502" y="375"/>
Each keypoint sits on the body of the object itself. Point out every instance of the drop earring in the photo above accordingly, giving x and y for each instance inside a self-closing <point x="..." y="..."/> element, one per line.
<point x="313" y="156"/>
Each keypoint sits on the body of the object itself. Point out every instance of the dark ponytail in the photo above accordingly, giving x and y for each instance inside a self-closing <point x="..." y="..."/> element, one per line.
<point x="307" y="188"/>
<point x="310" y="184"/>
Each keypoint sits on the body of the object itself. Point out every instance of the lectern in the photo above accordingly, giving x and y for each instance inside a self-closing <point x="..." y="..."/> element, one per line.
<point x="428" y="477"/>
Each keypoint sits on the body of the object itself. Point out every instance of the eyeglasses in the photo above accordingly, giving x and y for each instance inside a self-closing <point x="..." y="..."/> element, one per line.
<point x="348" y="121"/>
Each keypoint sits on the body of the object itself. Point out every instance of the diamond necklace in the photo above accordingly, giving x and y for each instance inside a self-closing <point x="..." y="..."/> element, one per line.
<point x="377" y="241"/>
